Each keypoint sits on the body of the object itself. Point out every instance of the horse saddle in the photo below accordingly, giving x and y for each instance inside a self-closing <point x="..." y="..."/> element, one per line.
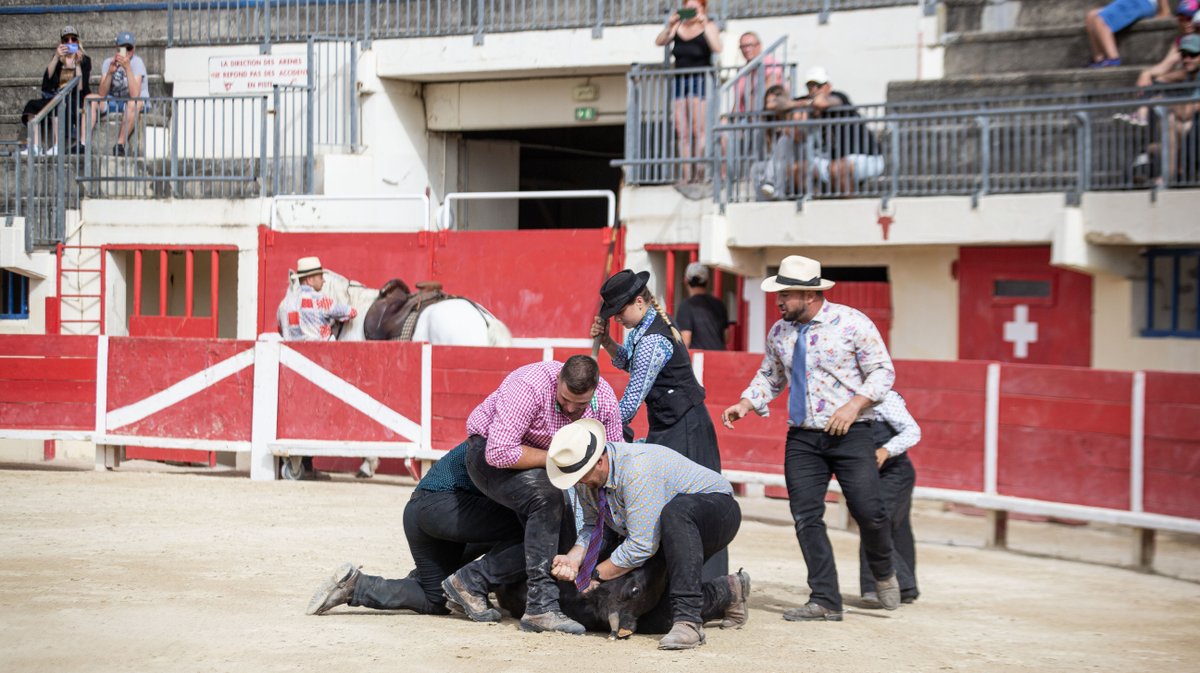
<point x="428" y="293"/>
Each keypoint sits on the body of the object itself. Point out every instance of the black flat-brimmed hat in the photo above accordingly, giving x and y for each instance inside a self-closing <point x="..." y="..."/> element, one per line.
<point x="620" y="289"/>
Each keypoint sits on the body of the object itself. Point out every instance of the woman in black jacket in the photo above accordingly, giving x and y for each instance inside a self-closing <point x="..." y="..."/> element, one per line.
<point x="69" y="61"/>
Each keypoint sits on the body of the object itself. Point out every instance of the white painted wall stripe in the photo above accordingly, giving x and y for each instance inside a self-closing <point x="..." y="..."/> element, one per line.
<point x="350" y="394"/>
<point x="991" y="428"/>
<point x="180" y="391"/>
<point x="101" y="382"/>
<point x="1137" y="443"/>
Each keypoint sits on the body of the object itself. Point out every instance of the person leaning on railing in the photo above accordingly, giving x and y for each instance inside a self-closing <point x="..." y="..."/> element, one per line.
<point x="123" y="81"/>
<point x="68" y="61"/>
<point x="1187" y="17"/>
<point x="694" y="39"/>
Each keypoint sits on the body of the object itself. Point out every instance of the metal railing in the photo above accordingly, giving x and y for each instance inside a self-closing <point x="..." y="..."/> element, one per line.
<point x="48" y="189"/>
<point x="333" y="92"/>
<point x="10" y="180"/>
<point x="1069" y="149"/>
<point x="266" y="22"/>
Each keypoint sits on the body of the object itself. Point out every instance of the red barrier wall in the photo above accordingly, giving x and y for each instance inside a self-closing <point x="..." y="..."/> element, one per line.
<point x="48" y="382"/>
<point x="948" y="401"/>
<point x="1172" y="458"/>
<point x="474" y="264"/>
<point x="141" y="366"/>
<point x="462" y="378"/>
<point x="1064" y="435"/>
<point x="388" y="371"/>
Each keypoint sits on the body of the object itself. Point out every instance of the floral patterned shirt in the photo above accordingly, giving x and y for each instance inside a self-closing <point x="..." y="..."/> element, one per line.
<point x="845" y="357"/>
<point x="308" y="315"/>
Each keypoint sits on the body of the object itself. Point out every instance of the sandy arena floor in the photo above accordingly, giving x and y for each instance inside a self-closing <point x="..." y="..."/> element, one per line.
<point x="154" y="568"/>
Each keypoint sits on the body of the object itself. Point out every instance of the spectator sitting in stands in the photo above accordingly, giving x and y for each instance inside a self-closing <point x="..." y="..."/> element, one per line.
<point x="1114" y="17"/>
<point x="695" y="38"/>
<point x="1185" y="117"/>
<point x="744" y="96"/>
<point x="1187" y="16"/>
<point x="69" y="59"/>
<point x="123" y="81"/>
<point x="780" y="174"/>
<point x="849" y="152"/>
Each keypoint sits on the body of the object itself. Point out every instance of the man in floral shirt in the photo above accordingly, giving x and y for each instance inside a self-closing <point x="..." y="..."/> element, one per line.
<point x="837" y="366"/>
<point x="308" y="315"/>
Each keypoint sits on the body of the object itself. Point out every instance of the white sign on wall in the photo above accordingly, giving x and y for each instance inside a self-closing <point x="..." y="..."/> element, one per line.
<point x="255" y="74"/>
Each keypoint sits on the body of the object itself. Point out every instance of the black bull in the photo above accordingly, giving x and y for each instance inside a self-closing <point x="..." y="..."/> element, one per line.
<point x="634" y="602"/>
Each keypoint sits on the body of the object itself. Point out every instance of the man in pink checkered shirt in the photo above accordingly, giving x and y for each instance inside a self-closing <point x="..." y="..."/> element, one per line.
<point x="506" y="458"/>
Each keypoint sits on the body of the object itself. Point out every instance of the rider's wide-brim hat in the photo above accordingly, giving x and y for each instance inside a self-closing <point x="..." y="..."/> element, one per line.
<point x="574" y="451"/>
<point x="797" y="273"/>
<point x="620" y="289"/>
<point x="308" y="266"/>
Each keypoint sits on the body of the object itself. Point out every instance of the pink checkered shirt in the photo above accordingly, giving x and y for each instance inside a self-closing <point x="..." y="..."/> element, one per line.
<point x="523" y="410"/>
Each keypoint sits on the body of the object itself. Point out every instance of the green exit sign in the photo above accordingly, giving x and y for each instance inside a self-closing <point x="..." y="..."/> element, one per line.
<point x="585" y="114"/>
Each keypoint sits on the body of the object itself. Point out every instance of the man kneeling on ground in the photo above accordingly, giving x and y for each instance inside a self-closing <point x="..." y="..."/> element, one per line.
<point x="653" y="497"/>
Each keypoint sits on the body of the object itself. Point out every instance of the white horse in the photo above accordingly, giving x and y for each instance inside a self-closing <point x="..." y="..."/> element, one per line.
<point x="451" y="322"/>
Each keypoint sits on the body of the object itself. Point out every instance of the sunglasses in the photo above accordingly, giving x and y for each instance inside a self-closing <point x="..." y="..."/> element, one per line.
<point x="1190" y="54"/>
<point x="748" y="45"/>
<point x="126" y="46"/>
<point x="70" y="38"/>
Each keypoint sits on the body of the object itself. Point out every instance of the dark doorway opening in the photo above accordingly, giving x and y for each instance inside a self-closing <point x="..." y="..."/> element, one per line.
<point x="564" y="158"/>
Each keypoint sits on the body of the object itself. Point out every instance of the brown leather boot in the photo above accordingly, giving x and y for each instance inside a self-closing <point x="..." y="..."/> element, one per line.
<point x="889" y="592"/>
<point x="474" y="603"/>
<point x="737" y="614"/>
<point x="336" y="590"/>
<point x="812" y="612"/>
<point x="683" y="636"/>
<point x="554" y="620"/>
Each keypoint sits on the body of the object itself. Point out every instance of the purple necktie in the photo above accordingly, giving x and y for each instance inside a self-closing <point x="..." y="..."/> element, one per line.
<point x="584" y="578"/>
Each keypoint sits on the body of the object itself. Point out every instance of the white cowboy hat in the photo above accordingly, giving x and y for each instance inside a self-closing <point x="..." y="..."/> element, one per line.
<point x="797" y="273"/>
<point x="308" y="266"/>
<point x="574" y="450"/>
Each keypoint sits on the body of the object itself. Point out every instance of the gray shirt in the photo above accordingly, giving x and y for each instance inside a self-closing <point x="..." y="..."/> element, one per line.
<point x="119" y="86"/>
<point x="642" y="479"/>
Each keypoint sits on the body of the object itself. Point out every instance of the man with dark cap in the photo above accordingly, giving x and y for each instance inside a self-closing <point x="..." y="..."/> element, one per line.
<point x="701" y="318"/>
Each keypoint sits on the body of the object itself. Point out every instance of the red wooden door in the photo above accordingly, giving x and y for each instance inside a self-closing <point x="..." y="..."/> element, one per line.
<point x="172" y="262"/>
<point x="1015" y="307"/>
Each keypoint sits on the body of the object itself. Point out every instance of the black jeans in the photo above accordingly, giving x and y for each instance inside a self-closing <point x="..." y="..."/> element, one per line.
<point x="539" y="506"/>
<point x="896" y="480"/>
<point x="810" y="457"/>
<point x="694" y="527"/>
<point x="445" y="530"/>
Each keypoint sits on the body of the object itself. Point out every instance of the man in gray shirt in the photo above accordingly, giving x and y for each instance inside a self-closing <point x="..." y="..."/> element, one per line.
<point x="123" y="81"/>
<point x="659" y="502"/>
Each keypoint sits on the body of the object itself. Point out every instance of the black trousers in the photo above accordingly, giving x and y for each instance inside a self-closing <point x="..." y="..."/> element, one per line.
<point x="810" y="458"/>
<point x="539" y="506"/>
<point x="445" y="530"/>
<point x="694" y="527"/>
<point x="695" y="437"/>
<point x="897" y="478"/>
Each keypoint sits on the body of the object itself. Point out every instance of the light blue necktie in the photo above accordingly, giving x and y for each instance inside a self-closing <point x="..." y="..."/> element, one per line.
<point x="798" y="397"/>
<point x="592" y="553"/>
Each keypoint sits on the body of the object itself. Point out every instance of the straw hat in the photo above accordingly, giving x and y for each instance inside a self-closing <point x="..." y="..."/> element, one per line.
<point x="797" y="273"/>
<point x="575" y="449"/>
<point x="308" y="266"/>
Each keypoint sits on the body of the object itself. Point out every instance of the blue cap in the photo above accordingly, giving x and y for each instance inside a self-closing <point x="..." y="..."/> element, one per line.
<point x="125" y="37"/>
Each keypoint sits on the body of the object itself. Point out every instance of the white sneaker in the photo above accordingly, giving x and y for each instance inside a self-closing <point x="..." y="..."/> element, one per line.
<point x="53" y="151"/>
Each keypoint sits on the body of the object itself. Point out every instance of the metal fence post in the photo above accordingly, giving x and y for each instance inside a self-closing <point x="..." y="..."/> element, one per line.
<point x="367" y="27"/>
<point x="479" y="19"/>
<point x="1164" y="143"/>
<point x="262" y="147"/>
<point x="985" y="158"/>
<point x="265" y="48"/>
<point x="894" y="134"/>
<point x="176" y="183"/>
<point x="823" y="16"/>
<point x="352" y="92"/>
<point x="310" y="124"/>
<point x="598" y="26"/>
<point x="1083" y="154"/>
<point x="170" y="23"/>
<point x="275" y="141"/>
<point x="60" y="172"/>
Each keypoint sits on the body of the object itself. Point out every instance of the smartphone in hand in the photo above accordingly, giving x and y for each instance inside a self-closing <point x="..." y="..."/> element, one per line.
<point x="122" y="51"/>
<point x="72" y="48"/>
<point x="687" y="13"/>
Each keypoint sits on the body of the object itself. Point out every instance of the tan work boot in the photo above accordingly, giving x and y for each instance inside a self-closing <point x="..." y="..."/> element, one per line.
<point x="554" y="620"/>
<point x="812" y="612"/>
<point x="336" y="590"/>
<point x="477" y="606"/>
<point x="737" y="614"/>
<point x="683" y="636"/>
<point x="889" y="592"/>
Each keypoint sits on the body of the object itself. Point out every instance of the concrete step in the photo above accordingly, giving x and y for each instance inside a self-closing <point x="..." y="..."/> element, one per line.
<point x="1038" y="49"/>
<point x="964" y="16"/>
<point x="1079" y="81"/>
<point x="15" y="91"/>
<point x="97" y="30"/>
<point x="30" y="59"/>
